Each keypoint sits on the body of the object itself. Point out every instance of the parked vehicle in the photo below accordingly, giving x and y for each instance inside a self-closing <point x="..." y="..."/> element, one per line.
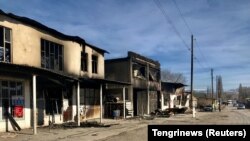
<point x="235" y="104"/>
<point x="241" y="106"/>
<point x="208" y="108"/>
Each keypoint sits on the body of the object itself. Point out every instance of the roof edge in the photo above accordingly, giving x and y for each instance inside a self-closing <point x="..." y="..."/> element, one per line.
<point x="36" y="24"/>
<point x="96" y="48"/>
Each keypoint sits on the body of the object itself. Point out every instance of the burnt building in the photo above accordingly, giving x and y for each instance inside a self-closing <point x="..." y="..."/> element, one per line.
<point x="144" y="75"/>
<point x="174" y="95"/>
<point x="47" y="76"/>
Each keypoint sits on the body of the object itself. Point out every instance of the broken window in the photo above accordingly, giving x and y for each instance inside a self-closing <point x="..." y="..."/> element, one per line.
<point x="84" y="61"/>
<point x="1" y="36"/>
<point x="51" y="55"/>
<point x="166" y="98"/>
<point x="11" y="98"/>
<point x="53" y="101"/>
<point x="154" y="75"/>
<point x="94" y="63"/>
<point x="139" y="71"/>
<point x="5" y="44"/>
<point x="89" y="96"/>
<point x="1" y="53"/>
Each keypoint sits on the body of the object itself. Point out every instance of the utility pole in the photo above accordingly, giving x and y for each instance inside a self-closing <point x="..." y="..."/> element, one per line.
<point x="216" y="88"/>
<point x="192" y="66"/>
<point x="212" y="88"/>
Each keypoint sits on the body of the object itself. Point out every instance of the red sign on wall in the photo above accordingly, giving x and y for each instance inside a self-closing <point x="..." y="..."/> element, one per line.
<point x="18" y="111"/>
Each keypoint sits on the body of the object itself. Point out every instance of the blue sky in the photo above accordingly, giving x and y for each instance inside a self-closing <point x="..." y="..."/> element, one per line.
<point x="221" y="29"/>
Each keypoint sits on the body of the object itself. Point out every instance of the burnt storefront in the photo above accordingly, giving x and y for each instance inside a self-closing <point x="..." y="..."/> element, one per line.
<point x="43" y="73"/>
<point x="143" y="74"/>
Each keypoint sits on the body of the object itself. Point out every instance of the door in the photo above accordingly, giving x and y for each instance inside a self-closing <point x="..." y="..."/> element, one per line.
<point x="153" y="102"/>
<point x="142" y="102"/>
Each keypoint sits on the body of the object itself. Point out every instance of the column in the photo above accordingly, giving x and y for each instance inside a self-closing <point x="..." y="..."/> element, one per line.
<point x="100" y="103"/>
<point x="78" y="103"/>
<point x="124" y="103"/>
<point x="34" y="105"/>
<point x="148" y="102"/>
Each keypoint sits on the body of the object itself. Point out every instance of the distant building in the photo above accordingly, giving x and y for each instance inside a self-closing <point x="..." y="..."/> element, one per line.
<point x="144" y="75"/>
<point x="173" y="95"/>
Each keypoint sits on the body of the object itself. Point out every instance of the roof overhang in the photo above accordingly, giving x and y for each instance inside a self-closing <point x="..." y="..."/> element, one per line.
<point x="8" y="68"/>
<point x="103" y="81"/>
<point x="175" y="85"/>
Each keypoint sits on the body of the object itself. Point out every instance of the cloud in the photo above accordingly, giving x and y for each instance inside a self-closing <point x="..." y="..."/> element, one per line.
<point x="221" y="29"/>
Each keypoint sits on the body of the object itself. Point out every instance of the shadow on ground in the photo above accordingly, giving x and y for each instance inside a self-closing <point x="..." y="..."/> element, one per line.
<point x="74" y="125"/>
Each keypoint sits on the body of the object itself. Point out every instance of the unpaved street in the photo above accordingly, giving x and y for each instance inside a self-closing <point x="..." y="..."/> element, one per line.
<point x="230" y="115"/>
<point x="130" y="130"/>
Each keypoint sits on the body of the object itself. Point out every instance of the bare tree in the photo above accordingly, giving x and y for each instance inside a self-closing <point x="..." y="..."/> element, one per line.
<point x="219" y="87"/>
<point x="168" y="76"/>
<point x="244" y="93"/>
<point x="240" y="93"/>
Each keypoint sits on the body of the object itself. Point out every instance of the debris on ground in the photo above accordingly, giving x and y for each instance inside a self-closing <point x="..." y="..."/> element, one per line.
<point x="74" y="125"/>
<point x="141" y="117"/>
<point x="161" y="113"/>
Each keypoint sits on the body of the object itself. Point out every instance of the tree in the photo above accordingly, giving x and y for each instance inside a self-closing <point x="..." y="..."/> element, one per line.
<point x="168" y="76"/>
<point x="219" y="87"/>
<point x="244" y="93"/>
<point x="240" y="93"/>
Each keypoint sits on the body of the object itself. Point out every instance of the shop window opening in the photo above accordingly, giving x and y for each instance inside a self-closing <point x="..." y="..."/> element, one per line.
<point x="11" y="99"/>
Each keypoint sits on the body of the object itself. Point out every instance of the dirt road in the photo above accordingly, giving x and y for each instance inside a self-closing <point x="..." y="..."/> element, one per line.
<point x="229" y="116"/>
<point x="132" y="130"/>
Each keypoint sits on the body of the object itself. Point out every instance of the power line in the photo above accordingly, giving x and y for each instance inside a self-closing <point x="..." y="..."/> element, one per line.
<point x="195" y="58"/>
<point x="158" y="4"/>
<point x="163" y="11"/>
<point x="201" y="53"/>
<point x="176" y="5"/>
<point x="188" y="27"/>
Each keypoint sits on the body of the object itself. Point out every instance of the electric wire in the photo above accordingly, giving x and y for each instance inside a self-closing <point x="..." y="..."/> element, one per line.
<point x="164" y="13"/>
<point x="189" y="29"/>
<point x="202" y="55"/>
<point x="184" y="20"/>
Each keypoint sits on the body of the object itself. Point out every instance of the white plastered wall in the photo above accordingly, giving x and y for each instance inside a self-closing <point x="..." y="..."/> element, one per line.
<point x="26" y="46"/>
<point x="100" y="68"/>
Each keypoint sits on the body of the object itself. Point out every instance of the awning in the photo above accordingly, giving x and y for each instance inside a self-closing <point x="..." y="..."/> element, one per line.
<point x="95" y="82"/>
<point x="25" y="70"/>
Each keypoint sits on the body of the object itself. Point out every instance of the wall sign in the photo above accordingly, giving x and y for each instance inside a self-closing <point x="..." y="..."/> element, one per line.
<point x="18" y="104"/>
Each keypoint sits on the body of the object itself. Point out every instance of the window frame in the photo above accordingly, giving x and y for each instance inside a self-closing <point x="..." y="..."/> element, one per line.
<point x="139" y="70"/>
<point x="51" y="55"/>
<point x="9" y="90"/>
<point x="84" y="61"/>
<point x="4" y="45"/>
<point x="90" y="96"/>
<point x="94" y="60"/>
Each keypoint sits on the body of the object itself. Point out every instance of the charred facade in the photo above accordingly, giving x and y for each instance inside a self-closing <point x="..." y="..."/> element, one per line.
<point x="144" y="75"/>
<point x="63" y="74"/>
